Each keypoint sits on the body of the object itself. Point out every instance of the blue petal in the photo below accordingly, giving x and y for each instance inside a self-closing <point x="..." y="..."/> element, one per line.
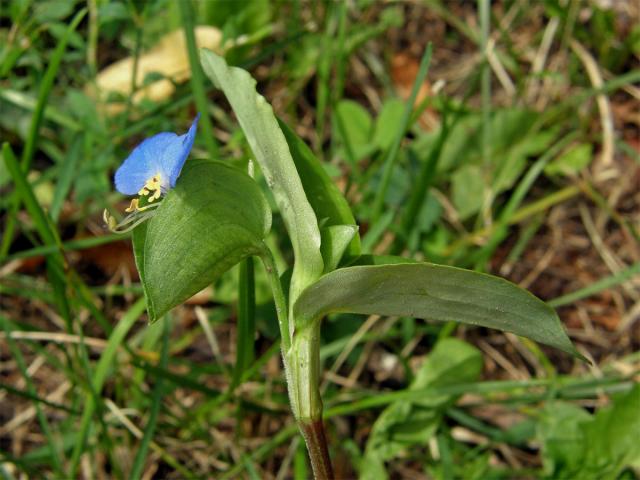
<point x="173" y="164"/>
<point x="164" y="153"/>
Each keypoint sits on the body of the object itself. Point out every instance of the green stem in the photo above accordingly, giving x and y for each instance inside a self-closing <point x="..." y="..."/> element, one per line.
<point x="278" y="297"/>
<point x="303" y="375"/>
<point x="301" y="358"/>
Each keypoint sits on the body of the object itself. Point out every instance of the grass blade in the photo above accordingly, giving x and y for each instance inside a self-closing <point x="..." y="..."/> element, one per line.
<point x="246" y="320"/>
<point x="56" y="454"/>
<point x="66" y="174"/>
<point x="197" y="80"/>
<point x="138" y="463"/>
<point x="596" y="287"/>
<point x="390" y="160"/>
<point x="34" y="129"/>
<point x="24" y="192"/>
<point x="100" y="375"/>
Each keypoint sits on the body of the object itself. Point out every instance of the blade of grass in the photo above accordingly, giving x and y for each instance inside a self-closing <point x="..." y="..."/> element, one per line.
<point x="69" y="246"/>
<point x="324" y="70"/>
<point x="596" y="287"/>
<point x="36" y="121"/>
<point x="376" y="231"/>
<point x="500" y="227"/>
<point x="24" y="192"/>
<point x="446" y="461"/>
<point x="57" y="454"/>
<point x="484" y="8"/>
<point x="180" y="380"/>
<point x="34" y="397"/>
<point x="391" y="157"/>
<point x="263" y="451"/>
<point x="141" y="454"/>
<point x="138" y="17"/>
<point x="51" y="113"/>
<point x="519" y="215"/>
<point x="43" y="224"/>
<point x="419" y="192"/>
<point x="197" y="80"/>
<point x="66" y="175"/>
<point x="246" y="321"/>
<point x="557" y="385"/>
<point x="340" y="57"/>
<point x="100" y="375"/>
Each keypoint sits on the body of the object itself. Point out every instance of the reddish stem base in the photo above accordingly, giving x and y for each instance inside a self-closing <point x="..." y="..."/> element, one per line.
<point x="313" y="433"/>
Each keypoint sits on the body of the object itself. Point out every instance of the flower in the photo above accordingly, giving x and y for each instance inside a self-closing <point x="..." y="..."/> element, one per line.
<point x="153" y="167"/>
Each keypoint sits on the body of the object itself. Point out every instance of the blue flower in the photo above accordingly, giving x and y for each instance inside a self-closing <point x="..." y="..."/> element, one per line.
<point x="154" y="166"/>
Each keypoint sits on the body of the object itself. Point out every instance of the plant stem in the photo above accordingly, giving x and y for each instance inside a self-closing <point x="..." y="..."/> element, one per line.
<point x="278" y="297"/>
<point x="301" y="357"/>
<point x="313" y="433"/>
<point x="303" y="377"/>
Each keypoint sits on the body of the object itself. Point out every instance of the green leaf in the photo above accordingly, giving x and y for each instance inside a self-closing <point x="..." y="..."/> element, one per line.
<point x="571" y="162"/>
<point x="355" y="126"/>
<point x="386" y="123"/>
<point x="433" y="292"/>
<point x="214" y="218"/>
<point x="327" y="201"/>
<point x="576" y="444"/>
<point x="335" y="240"/>
<point x="406" y="423"/>
<point x="270" y="147"/>
<point x="467" y="189"/>
<point x="561" y="436"/>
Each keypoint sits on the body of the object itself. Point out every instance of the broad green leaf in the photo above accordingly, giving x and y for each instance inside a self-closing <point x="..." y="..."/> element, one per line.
<point x="270" y="147"/>
<point x="407" y="423"/>
<point x="330" y="206"/>
<point x="214" y="218"/>
<point x="433" y="292"/>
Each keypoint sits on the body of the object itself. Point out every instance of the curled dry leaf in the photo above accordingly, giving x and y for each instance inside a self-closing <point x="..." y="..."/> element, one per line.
<point x="169" y="58"/>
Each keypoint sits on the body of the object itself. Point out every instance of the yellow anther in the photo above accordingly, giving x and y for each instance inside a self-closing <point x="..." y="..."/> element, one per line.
<point x="153" y="185"/>
<point x="133" y="206"/>
<point x="156" y="195"/>
<point x="109" y="220"/>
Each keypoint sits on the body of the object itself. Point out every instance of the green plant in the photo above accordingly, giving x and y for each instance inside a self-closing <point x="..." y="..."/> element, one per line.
<point x="217" y="216"/>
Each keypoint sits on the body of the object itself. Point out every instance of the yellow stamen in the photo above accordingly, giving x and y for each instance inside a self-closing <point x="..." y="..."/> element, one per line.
<point x="152" y="186"/>
<point x="133" y="206"/>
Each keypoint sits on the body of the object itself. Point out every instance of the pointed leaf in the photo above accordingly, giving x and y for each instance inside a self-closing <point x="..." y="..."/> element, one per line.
<point x="433" y="292"/>
<point x="268" y="144"/>
<point x="335" y="240"/>
<point x="214" y="218"/>
<point x="324" y="196"/>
